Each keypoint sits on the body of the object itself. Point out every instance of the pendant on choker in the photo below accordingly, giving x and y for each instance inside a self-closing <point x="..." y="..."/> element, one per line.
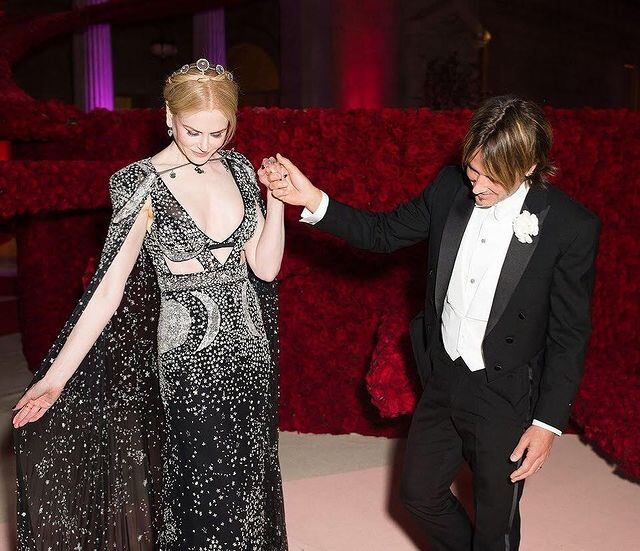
<point x="172" y="173"/>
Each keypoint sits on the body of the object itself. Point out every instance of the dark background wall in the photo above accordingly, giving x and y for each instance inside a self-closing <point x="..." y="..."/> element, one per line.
<point x="568" y="53"/>
<point x="252" y="33"/>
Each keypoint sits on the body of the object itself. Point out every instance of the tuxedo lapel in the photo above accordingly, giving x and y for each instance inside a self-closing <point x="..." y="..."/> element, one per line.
<point x="452" y="233"/>
<point x="518" y="256"/>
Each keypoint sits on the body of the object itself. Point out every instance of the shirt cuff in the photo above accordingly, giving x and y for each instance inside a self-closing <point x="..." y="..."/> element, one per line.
<point x="309" y="217"/>
<point x="548" y="427"/>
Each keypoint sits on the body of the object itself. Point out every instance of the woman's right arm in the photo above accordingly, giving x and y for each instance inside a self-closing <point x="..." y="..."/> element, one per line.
<point x="92" y="321"/>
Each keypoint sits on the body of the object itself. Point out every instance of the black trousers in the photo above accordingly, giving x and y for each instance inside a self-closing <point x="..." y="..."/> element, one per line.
<point x="461" y="417"/>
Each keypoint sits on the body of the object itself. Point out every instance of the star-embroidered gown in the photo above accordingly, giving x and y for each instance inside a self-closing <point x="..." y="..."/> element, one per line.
<point x="166" y="435"/>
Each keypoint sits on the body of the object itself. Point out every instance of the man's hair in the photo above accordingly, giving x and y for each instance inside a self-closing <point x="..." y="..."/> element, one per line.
<point x="513" y="135"/>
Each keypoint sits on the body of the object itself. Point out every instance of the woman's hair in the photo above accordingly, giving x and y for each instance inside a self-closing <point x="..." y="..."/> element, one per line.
<point x="192" y="90"/>
<point x="513" y="135"/>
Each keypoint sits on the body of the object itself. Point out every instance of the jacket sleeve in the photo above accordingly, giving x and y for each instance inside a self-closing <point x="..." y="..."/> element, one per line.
<point x="569" y="325"/>
<point x="383" y="232"/>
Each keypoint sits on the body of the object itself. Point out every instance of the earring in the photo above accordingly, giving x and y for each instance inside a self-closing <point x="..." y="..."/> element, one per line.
<point x="170" y="132"/>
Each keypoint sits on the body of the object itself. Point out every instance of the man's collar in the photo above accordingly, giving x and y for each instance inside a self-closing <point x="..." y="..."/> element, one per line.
<point x="510" y="206"/>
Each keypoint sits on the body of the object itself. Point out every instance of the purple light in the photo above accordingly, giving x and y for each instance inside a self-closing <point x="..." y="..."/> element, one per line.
<point x="209" y="36"/>
<point x="98" y="81"/>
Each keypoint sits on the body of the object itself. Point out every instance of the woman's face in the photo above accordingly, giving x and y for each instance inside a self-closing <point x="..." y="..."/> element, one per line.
<point x="199" y="135"/>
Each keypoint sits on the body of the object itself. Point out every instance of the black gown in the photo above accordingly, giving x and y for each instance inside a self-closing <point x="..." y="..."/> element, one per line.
<point x="166" y="435"/>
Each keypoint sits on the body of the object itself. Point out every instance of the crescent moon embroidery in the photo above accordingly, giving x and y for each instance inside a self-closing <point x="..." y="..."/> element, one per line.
<point x="173" y="325"/>
<point x="251" y="326"/>
<point x="213" y="319"/>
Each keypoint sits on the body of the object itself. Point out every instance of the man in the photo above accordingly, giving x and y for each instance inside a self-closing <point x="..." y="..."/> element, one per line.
<point x="500" y="345"/>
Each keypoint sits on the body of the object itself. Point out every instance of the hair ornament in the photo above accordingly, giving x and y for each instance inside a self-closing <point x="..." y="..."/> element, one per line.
<point x="203" y="66"/>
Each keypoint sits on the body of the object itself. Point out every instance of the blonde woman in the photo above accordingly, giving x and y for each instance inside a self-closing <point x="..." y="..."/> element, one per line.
<point x="152" y="422"/>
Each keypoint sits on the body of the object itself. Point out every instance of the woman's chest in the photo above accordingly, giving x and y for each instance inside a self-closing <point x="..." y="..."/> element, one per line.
<point x="175" y="232"/>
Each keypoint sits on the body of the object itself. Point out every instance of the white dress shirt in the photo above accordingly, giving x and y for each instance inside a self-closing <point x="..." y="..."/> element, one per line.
<point x="474" y="278"/>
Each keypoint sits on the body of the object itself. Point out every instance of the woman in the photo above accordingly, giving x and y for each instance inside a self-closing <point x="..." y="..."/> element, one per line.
<point x="152" y="422"/>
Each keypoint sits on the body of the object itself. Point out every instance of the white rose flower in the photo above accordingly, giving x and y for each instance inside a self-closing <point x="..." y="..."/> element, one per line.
<point x="525" y="226"/>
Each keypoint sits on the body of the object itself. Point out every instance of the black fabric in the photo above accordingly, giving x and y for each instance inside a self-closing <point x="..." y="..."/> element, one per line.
<point x="418" y="333"/>
<point x="461" y="417"/>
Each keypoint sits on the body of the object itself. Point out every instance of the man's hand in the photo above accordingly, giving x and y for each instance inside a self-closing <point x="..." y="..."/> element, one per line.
<point x="293" y="187"/>
<point x="537" y="443"/>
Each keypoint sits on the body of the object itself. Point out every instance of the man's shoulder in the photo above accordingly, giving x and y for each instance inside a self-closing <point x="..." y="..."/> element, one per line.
<point x="449" y="180"/>
<point x="571" y="210"/>
<point x="453" y="174"/>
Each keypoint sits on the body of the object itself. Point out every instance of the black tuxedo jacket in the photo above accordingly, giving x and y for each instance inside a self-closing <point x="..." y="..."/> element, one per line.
<point x="540" y="321"/>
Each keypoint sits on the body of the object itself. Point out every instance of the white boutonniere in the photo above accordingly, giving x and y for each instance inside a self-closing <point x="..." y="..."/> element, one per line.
<point x="525" y="226"/>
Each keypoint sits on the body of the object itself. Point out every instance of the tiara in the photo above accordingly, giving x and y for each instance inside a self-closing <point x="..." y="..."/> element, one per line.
<point x="203" y="66"/>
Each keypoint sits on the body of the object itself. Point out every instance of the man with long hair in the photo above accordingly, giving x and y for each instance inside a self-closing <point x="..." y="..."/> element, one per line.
<point x="501" y="342"/>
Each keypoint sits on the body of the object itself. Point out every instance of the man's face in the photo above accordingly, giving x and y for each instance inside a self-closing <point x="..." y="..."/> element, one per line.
<point x="486" y="191"/>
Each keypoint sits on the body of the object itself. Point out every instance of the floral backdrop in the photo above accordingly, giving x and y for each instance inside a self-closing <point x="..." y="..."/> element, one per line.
<point x="346" y="364"/>
<point x="345" y="361"/>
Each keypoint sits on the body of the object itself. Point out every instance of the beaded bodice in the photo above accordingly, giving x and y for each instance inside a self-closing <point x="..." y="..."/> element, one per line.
<point x="174" y="235"/>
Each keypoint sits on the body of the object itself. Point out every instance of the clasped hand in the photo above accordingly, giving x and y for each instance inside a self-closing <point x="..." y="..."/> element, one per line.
<point x="287" y="183"/>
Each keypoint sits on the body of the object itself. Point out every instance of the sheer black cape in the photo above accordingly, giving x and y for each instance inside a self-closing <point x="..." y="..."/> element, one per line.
<point x="89" y="471"/>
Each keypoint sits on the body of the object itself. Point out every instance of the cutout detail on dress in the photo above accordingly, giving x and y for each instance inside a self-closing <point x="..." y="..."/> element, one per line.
<point x="184" y="267"/>
<point x="222" y="252"/>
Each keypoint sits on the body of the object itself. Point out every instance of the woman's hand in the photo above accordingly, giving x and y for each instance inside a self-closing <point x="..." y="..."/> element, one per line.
<point x="36" y="401"/>
<point x="294" y="187"/>
<point x="271" y="171"/>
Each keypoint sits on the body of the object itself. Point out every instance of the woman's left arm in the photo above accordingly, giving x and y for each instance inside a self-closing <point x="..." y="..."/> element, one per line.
<point x="265" y="248"/>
